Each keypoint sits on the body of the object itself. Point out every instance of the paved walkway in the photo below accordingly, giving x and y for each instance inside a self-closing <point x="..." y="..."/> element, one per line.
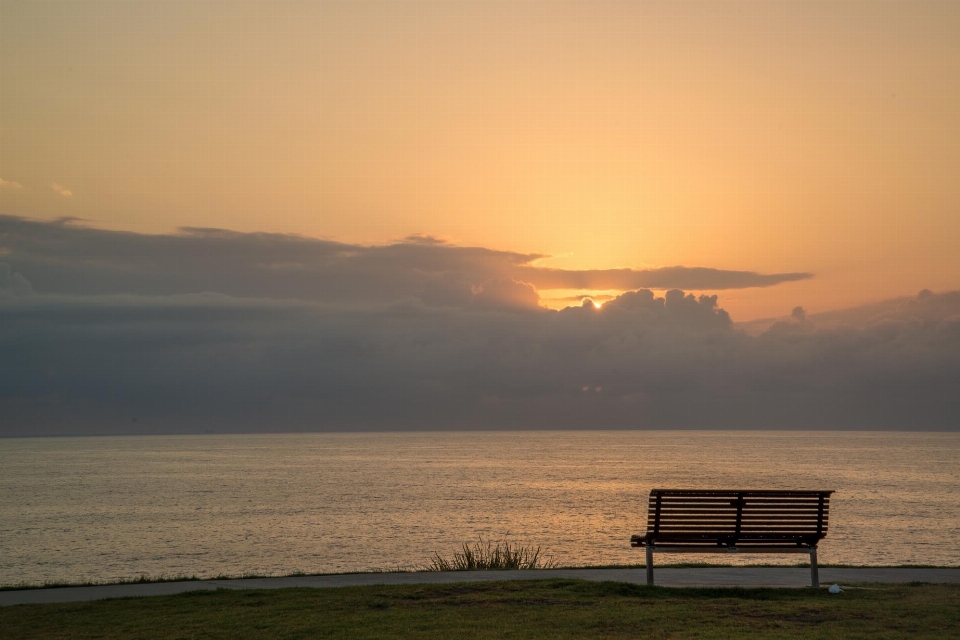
<point x="668" y="577"/>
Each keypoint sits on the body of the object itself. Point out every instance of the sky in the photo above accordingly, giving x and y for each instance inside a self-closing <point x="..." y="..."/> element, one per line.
<point x="324" y="215"/>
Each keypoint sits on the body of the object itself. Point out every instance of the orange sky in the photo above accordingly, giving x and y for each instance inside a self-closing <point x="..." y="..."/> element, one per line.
<point x="770" y="137"/>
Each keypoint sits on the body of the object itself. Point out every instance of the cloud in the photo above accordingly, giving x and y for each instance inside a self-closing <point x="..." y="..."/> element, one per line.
<point x="63" y="191"/>
<point x="84" y="364"/>
<point x="12" y="283"/>
<point x="64" y="257"/>
<point x="209" y="329"/>
<point x="10" y="184"/>
<point x="697" y="278"/>
<point x="506" y="294"/>
<point x="180" y="362"/>
<point x="422" y="238"/>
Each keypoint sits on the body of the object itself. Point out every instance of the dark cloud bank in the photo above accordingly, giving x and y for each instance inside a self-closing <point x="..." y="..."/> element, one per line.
<point x="207" y="330"/>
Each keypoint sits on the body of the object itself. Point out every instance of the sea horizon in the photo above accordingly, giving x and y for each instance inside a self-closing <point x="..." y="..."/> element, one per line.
<point x="345" y="431"/>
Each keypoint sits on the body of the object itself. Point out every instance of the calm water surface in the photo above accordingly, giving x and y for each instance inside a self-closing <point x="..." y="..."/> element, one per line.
<point x="107" y="508"/>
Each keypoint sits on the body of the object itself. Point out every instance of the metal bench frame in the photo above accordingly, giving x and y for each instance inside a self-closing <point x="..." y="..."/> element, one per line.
<point x="735" y="521"/>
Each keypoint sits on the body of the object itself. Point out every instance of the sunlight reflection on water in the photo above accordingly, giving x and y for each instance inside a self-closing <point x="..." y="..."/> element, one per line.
<point x="107" y="508"/>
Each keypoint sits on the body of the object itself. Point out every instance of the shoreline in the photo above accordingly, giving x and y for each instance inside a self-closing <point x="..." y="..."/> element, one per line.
<point x="154" y="580"/>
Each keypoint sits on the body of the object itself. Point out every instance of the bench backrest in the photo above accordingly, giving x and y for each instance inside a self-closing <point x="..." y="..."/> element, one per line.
<point x="687" y="516"/>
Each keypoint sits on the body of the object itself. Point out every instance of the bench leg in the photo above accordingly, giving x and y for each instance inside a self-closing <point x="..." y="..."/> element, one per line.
<point x="814" y="572"/>
<point x="649" y="566"/>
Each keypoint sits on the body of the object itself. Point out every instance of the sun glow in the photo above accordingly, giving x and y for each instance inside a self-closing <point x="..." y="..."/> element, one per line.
<point x="557" y="299"/>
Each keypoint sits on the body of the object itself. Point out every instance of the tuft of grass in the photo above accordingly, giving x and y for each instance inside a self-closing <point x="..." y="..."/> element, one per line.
<point x="485" y="555"/>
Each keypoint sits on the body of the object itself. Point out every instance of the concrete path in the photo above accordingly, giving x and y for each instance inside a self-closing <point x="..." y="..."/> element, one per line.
<point x="667" y="577"/>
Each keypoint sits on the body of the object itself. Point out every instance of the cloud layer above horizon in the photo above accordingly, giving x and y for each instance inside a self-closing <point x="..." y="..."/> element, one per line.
<point x="211" y="330"/>
<point x="64" y="257"/>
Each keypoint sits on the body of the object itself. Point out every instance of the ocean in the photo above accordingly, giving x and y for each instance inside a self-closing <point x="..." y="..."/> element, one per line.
<point x="108" y="508"/>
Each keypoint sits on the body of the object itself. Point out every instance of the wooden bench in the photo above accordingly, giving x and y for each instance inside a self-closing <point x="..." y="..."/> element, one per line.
<point x="705" y="521"/>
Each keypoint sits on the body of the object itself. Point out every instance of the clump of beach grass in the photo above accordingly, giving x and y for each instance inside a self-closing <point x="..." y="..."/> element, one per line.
<point x="486" y="555"/>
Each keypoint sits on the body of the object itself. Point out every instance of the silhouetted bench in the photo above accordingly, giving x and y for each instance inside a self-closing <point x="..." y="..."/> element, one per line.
<point x="694" y="521"/>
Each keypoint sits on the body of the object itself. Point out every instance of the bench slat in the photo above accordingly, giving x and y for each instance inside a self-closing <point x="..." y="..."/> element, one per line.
<point x="785" y="510"/>
<point x="678" y="494"/>
<point x="746" y="517"/>
<point x="713" y="523"/>
<point x="733" y="516"/>
<point x="733" y="507"/>
<point x="734" y="496"/>
<point x="732" y="529"/>
<point x="728" y="502"/>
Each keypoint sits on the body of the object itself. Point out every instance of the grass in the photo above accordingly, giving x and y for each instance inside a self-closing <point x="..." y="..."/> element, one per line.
<point x="489" y="556"/>
<point x="515" y="609"/>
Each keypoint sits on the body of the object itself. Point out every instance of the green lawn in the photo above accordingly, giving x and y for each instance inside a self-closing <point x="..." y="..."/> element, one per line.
<point x="528" y="609"/>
